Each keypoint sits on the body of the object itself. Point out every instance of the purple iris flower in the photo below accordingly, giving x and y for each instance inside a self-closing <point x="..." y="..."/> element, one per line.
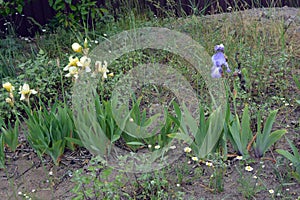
<point x="219" y="47"/>
<point x="219" y="60"/>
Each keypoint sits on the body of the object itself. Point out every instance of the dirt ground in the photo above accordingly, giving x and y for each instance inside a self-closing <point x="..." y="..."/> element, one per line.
<point x="26" y="172"/>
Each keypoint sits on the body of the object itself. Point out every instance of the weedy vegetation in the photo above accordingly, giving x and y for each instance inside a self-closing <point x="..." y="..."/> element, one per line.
<point x="234" y="151"/>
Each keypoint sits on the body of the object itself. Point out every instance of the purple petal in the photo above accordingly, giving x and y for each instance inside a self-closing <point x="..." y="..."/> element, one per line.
<point x="219" y="59"/>
<point x="219" y="47"/>
<point x="216" y="72"/>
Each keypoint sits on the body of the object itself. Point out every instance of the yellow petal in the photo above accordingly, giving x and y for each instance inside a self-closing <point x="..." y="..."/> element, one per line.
<point x="111" y="74"/>
<point x="8" y="86"/>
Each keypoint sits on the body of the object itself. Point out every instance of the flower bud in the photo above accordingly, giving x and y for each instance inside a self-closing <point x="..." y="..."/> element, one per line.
<point x="85" y="44"/>
<point x="76" y="47"/>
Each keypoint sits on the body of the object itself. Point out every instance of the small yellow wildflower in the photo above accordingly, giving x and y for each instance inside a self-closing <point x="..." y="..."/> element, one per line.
<point x="8" y="86"/>
<point x="187" y="149"/>
<point x="157" y="147"/>
<point x="248" y="168"/>
<point x="76" y="47"/>
<point x="25" y="92"/>
<point x="271" y="191"/>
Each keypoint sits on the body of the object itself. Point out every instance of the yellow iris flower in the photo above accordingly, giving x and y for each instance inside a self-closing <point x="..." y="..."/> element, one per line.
<point x="84" y="63"/>
<point x="25" y="92"/>
<point x="72" y="62"/>
<point x="102" y="69"/>
<point x="8" y="86"/>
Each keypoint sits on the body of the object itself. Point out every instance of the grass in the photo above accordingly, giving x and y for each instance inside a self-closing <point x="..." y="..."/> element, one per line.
<point x="269" y="62"/>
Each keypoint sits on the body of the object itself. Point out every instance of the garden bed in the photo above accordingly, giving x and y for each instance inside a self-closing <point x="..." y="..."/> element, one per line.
<point x="272" y="87"/>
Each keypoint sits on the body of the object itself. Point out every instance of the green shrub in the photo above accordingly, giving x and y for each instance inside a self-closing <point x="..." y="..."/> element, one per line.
<point x="69" y="13"/>
<point x="11" y="7"/>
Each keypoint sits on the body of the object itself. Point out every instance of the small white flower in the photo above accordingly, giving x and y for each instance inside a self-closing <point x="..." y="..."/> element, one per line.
<point x="239" y="157"/>
<point x="178" y="185"/>
<point x="149" y="146"/>
<point x="157" y="147"/>
<point x="278" y="194"/>
<point x="96" y="41"/>
<point x="263" y="166"/>
<point x="209" y="164"/>
<point x="255" y="177"/>
<point x="195" y="158"/>
<point x="271" y="191"/>
<point x="248" y="168"/>
<point x="51" y="173"/>
<point x="187" y="149"/>
<point x="131" y="119"/>
<point x="291" y="164"/>
<point x="20" y="193"/>
<point x="33" y="190"/>
<point x="105" y="35"/>
<point x="173" y="147"/>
